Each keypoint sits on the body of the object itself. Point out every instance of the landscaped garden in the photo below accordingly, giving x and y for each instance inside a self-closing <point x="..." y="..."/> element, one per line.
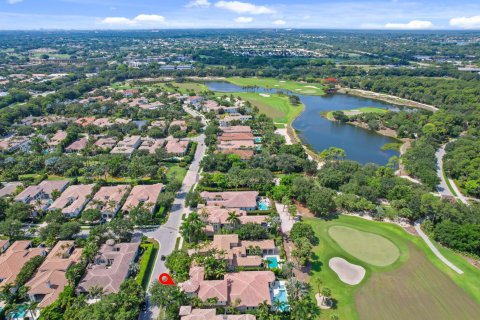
<point x="403" y="280"/>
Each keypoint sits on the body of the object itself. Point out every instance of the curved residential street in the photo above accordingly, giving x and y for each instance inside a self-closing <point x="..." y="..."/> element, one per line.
<point x="167" y="234"/>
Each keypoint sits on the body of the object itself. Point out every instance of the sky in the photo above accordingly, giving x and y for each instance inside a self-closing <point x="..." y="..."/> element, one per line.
<point x="176" y="14"/>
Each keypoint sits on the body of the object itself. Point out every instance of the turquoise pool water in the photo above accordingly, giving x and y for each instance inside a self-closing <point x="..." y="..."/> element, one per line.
<point x="18" y="314"/>
<point x="272" y="262"/>
<point x="263" y="205"/>
<point x="258" y="139"/>
<point x="282" y="297"/>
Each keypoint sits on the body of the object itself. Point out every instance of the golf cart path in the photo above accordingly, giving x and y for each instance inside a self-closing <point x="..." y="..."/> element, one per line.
<point x="435" y="250"/>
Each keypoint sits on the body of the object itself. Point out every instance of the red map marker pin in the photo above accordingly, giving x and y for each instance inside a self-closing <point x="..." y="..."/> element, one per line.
<point x="165" y="279"/>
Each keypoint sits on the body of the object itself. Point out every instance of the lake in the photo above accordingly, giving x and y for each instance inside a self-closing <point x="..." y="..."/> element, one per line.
<point x="359" y="144"/>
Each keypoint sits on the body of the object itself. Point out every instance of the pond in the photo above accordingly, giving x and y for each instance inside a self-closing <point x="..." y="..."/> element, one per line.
<point x="359" y="144"/>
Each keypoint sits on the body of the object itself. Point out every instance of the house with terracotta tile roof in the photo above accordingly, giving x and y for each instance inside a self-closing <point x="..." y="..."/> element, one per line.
<point x="40" y="196"/>
<point x="243" y="200"/>
<point x="102" y="122"/>
<point x="227" y="120"/>
<point x="238" y="253"/>
<point x="9" y="188"/>
<point x="127" y="146"/>
<point x="108" y="200"/>
<point x="105" y="143"/>
<point x="143" y="195"/>
<point x="249" y="287"/>
<point x="130" y="92"/>
<point x="151" y="144"/>
<point x="85" y="121"/>
<point x="50" y="278"/>
<point x="111" y="266"/>
<point x="217" y="218"/>
<point x="77" y="145"/>
<point x="15" y="143"/>
<point x="177" y="147"/>
<point x="181" y="123"/>
<point x="188" y="313"/>
<point x="14" y="258"/>
<point x="236" y="145"/>
<point x="236" y="136"/>
<point x="56" y="139"/>
<point x="158" y="124"/>
<point x="236" y="129"/>
<point x="72" y="201"/>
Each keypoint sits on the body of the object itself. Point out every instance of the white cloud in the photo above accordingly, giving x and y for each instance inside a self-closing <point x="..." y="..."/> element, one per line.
<point x="118" y="21"/>
<point x="412" y="25"/>
<point x="244" y="19"/>
<point x="149" y="18"/>
<point x="14" y="1"/>
<point x="279" y="22"/>
<point x="198" y="3"/>
<point x="466" y="22"/>
<point x="138" y="20"/>
<point x="243" y="7"/>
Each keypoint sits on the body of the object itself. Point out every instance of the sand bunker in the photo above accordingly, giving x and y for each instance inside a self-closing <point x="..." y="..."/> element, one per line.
<point x="312" y="87"/>
<point x="265" y="95"/>
<point x="347" y="272"/>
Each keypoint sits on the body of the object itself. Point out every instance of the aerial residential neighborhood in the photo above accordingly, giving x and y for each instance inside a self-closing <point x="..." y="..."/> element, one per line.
<point x="239" y="160"/>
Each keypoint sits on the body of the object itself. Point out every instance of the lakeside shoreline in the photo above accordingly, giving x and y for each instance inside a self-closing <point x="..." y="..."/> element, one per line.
<point x="387" y="98"/>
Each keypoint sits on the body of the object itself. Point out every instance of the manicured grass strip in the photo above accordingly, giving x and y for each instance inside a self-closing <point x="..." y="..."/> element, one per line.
<point x="449" y="185"/>
<point x="147" y="262"/>
<point x="314" y="89"/>
<point x="368" y="247"/>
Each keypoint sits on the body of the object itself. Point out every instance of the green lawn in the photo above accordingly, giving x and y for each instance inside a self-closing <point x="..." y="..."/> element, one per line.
<point x="277" y="107"/>
<point x="416" y="286"/>
<point x="176" y="172"/>
<point x="350" y="112"/>
<point x="368" y="247"/>
<point x="314" y="89"/>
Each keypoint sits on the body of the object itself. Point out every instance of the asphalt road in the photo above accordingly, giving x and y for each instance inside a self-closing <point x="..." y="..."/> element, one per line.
<point x="167" y="234"/>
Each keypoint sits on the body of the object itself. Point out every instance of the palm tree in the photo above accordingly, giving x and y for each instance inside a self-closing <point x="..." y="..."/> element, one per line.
<point x="295" y="288"/>
<point x="95" y="292"/>
<point x="204" y="214"/>
<point x="300" y="310"/>
<point x="233" y="219"/>
<point x="327" y="294"/>
<point x="278" y="306"/>
<point x="263" y="310"/>
<point x="292" y="210"/>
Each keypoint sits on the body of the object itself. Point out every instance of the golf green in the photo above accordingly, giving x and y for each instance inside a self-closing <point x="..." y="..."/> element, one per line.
<point x="368" y="247"/>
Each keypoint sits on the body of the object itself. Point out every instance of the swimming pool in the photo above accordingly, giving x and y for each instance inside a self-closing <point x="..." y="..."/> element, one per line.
<point x="18" y="314"/>
<point x="258" y="139"/>
<point x="263" y="205"/>
<point x="272" y="262"/>
<point x="280" y="294"/>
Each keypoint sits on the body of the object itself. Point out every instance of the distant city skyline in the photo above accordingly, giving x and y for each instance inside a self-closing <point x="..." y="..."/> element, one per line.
<point x="175" y="14"/>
